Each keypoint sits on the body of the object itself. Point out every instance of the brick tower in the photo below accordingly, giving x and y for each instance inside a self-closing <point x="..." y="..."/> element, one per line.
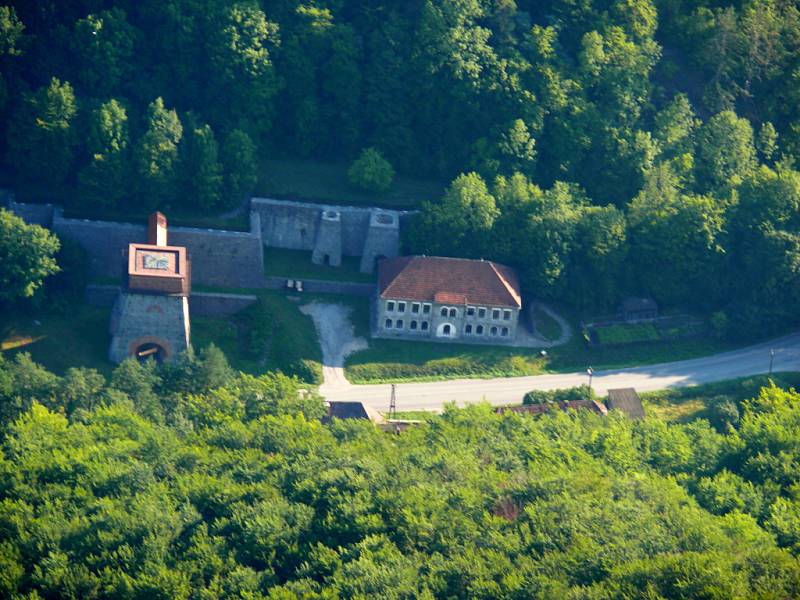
<point x="151" y="316"/>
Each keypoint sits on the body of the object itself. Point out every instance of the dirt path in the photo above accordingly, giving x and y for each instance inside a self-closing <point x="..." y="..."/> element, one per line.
<point x="337" y="339"/>
<point x="566" y="329"/>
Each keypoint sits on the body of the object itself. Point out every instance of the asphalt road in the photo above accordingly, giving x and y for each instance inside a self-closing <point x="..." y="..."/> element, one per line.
<point x="432" y="396"/>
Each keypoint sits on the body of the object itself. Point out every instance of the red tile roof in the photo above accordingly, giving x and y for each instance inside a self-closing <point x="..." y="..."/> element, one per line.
<point x="448" y="281"/>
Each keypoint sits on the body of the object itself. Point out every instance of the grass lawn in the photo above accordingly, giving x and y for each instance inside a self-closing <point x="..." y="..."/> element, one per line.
<point x="78" y="338"/>
<point x="270" y="335"/>
<point x="546" y="325"/>
<point x="395" y="360"/>
<point x="320" y="182"/>
<point x="296" y="264"/>
<point x="687" y="404"/>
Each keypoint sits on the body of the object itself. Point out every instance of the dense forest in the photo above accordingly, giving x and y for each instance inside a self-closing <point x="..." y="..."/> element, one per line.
<point x="188" y="481"/>
<point x="603" y="147"/>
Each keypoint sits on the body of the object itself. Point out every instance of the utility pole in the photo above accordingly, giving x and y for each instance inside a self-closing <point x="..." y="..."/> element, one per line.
<point x="393" y="403"/>
<point x="590" y="372"/>
<point x="771" y="359"/>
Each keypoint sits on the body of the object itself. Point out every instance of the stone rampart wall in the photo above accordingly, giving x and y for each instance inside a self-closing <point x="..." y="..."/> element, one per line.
<point x="219" y="257"/>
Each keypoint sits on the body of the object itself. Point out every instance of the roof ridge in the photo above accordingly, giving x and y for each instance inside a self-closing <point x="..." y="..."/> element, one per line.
<point x="505" y="283"/>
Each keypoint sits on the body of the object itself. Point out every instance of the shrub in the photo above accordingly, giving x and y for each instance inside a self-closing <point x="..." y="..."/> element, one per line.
<point x="581" y="392"/>
<point x="371" y="172"/>
<point x="626" y="334"/>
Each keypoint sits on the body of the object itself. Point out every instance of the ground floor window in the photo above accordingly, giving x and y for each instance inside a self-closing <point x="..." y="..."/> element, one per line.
<point x="413" y="324"/>
<point x="424" y="326"/>
<point x="399" y="324"/>
<point x="388" y="324"/>
<point x="493" y="331"/>
<point x="468" y="329"/>
<point x="479" y="330"/>
<point x="505" y="332"/>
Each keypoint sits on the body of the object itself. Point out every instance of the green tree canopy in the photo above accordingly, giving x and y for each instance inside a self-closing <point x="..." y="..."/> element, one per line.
<point x="42" y="135"/>
<point x="103" y="181"/>
<point x="156" y="156"/>
<point x="200" y="168"/>
<point x="26" y="256"/>
<point x="371" y="172"/>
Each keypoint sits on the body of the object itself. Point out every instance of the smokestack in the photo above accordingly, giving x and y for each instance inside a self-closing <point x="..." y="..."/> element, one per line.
<point x="157" y="229"/>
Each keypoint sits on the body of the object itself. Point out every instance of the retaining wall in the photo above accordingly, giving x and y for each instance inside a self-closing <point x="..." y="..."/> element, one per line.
<point x="319" y="286"/>
<point x="208" y="304"/>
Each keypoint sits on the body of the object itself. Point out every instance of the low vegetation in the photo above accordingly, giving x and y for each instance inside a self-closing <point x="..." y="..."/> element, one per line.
<point x="270" y="335"/>
<point x="546" y="326"/>
<point x="720" y="403"/>
<point x="614" y="335"/>
<point x="389" y="360"/>
<point x="314" y="181"/>
<point x="59" y="340"/>
<point x="296" y="264"/>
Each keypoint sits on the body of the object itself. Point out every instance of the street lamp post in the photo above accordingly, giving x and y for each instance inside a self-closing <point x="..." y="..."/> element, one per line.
<point x="771" y="359"/>
<point x="590" y="372"/>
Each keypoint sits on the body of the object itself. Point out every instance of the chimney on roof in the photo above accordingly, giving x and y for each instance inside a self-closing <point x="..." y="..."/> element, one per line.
<point x="157" y="229"/>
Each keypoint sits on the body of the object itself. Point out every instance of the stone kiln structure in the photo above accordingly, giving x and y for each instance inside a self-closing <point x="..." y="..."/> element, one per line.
<point x="150" y="318"/>
<point x="330" y="231"/>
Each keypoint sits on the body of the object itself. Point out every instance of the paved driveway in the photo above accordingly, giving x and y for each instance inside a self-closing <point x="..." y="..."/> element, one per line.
<point x="432" y="396"/>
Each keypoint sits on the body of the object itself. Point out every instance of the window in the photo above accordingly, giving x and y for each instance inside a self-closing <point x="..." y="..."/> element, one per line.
<point x="479" y="330"/>
<point x="390" y="306"/>
<point x="388" y="324"/>
<point x="453" y="312"/>
<point x="492" y="332"/>
<point x="470" y="311"/>
<point x="468" y="329"/>
<point x="506" y="315"/>
<point x="447" y="329"/>
<point x="399" y="324"/>
<point x="424" y="326"/>
<point x="495" y="313"/>
<point x="401" y="307"/>
<point x="481" y="313"/>
<point x="426" y="309"/>
<point x="415" y="308"/>
<point x="443" y="312"/>
<point x="413" y="325"/>
<point x="505" y="332"/>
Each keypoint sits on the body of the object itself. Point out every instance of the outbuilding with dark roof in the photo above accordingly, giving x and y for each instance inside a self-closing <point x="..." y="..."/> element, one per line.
<point x="626" y="400"/>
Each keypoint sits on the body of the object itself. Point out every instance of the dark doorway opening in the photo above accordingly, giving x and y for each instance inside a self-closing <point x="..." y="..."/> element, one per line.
<point x="150" y="351"/>
<point x="326" y="260"/>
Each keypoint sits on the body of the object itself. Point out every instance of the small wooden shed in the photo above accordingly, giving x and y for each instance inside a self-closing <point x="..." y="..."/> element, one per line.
<point x="626" y="400"/>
